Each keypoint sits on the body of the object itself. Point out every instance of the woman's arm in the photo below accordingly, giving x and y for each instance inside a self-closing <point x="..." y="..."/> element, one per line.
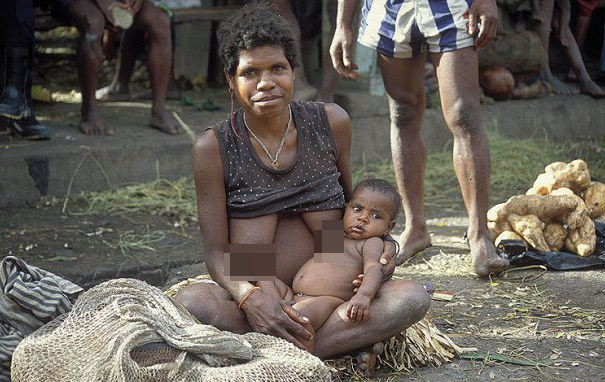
<point x="212" y="211"/>
<point x="340" y="123"/>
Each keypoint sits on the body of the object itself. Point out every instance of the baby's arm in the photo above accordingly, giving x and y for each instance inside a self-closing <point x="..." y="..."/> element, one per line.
<point x="358" y="308"/>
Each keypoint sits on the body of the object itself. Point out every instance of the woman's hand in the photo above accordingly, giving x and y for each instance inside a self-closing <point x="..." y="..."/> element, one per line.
<point x="275" y="317"/>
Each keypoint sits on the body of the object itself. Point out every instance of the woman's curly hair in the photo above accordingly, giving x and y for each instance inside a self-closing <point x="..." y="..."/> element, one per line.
<point x="255" y="25"/>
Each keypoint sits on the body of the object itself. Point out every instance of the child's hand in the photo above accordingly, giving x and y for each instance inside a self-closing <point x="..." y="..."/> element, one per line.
<point x="358" y="308"/>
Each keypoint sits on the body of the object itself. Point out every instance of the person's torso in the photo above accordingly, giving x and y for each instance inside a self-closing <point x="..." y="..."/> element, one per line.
<point x="309" y="183"/>
<point x="332" y="278"/>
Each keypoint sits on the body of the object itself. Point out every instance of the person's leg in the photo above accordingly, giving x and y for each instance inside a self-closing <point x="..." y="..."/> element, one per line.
<point x="571" y="50"/>
<point x="157" y="25"/>
<point x="131" y="45"/>
<point x="329" y="77"/>
<point x="457" y="73"/>
<point x="397" y="305"/>
<point x="90" y="22"/>
<point x="303" y="90"/>
<point x="543" y="29"/>
<point x="16" y="37"/>
<point x="213" y="305"/>
<point x="318" y="308"/>
<point x="404" y="83"/>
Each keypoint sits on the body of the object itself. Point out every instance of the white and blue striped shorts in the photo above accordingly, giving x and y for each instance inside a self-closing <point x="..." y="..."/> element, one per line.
<point x="406" y="28"/>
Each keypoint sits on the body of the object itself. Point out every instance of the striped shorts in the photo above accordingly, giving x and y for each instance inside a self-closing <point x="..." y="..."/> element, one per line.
<point x="406" y="28"/>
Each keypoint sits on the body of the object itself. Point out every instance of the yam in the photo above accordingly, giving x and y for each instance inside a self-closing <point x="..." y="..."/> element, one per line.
<point x="529" y="227"/>
<point x="594" y="198"/>
<point x="555" y="236"/>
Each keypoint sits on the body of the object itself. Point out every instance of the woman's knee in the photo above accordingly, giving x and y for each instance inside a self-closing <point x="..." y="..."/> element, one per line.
<point x="410" y="302"/>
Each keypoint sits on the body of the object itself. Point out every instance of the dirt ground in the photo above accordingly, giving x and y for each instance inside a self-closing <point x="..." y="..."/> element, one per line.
<point x="552" y="318"/>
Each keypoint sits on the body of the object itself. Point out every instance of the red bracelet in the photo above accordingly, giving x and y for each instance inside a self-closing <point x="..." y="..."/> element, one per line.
<point x="252" y="290"/>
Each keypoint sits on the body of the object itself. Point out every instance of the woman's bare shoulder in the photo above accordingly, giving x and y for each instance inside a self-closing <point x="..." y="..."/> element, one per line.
<point x="337" y="116"/>
<point x="206" y="143"/>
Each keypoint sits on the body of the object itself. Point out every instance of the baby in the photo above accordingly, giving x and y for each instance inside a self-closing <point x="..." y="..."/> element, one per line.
<point x="324" y="282"/>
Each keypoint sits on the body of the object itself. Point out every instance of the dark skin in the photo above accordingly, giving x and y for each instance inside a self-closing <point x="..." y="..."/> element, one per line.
<point x="457" y="72"/>
<point x="91" y="17"/>
<point x="557" y="19"/>
<point x="263" y="85"/>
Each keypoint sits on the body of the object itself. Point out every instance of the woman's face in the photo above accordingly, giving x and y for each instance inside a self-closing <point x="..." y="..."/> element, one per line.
<point x="263" y="82"/>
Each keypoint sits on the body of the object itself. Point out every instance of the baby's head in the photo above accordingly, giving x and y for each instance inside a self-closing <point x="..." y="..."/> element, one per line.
<point x="372" y="209"/>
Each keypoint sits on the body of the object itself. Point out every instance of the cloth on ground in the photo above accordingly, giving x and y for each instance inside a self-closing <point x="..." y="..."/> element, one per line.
<point x="29" y="298"/>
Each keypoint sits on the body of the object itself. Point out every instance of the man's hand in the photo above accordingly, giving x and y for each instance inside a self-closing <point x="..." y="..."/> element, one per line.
<point x="486" y="13"/>
<point x="358" y="308"/>
<point x="341" y="51"/>
<point x="268" y="315"/>
<point x="134" y="6"/>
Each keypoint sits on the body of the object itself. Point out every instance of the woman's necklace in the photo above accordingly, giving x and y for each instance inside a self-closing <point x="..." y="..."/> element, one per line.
<point x="274" y="162"/>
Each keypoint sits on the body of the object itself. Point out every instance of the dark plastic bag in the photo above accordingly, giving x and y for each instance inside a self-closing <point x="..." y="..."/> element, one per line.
<point x="556" y="261"/>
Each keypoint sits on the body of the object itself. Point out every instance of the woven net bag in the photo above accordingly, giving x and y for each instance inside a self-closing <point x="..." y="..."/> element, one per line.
<point x="127" y="330"/>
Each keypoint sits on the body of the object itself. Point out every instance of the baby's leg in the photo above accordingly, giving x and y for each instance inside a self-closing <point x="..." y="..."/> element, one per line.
<point x="318" y="309"/>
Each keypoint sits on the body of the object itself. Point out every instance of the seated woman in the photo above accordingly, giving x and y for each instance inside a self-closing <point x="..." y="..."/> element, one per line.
<point x="271" y="175"/>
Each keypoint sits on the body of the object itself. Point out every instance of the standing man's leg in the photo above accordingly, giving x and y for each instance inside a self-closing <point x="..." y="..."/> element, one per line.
<point x="560" y="24"/>
<point x="157" y="25"/>
<point x="543" y="29"/>
<point x="131" y="44"/>
<point x="17" y="41"/>
<point x="404" y="83"/>
<point x="457" y="73"/>
<point x="90" y="21"/>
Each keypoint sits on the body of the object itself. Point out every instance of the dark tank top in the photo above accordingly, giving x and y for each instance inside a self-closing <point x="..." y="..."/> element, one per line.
<point x="310" y="183"/>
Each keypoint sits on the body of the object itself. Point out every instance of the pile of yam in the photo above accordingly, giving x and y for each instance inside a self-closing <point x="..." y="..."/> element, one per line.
<point x="556" y="214"/>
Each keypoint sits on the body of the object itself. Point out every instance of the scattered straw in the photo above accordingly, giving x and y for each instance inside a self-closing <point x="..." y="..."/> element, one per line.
<point x="161" y="197"/>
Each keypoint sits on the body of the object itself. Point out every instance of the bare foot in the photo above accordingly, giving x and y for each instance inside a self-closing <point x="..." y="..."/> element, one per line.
<point x="411" y="242"/>
<point x="164" y="122"/>
<point x="561" y="88"/>
<point x="92" y="124"/>
<point x="485" y="258"/>
<point x="113" y="94"/>
<point x="592" y="89"/>
<point x="366" y="360"/>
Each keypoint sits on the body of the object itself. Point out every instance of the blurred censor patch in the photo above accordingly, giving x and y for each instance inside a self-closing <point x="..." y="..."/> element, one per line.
<point x="329" y="242"/>
<point x="250" y="262"/>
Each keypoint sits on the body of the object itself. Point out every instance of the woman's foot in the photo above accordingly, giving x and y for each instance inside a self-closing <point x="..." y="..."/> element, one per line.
<point x="366" y="360"/>
<point x="561" y="88"/>
<point x="411" y="242"/>
<point x="485" y="258"/>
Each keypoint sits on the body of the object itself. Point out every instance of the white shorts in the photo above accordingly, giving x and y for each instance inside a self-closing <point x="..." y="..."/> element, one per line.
<point x="406" y="28"/>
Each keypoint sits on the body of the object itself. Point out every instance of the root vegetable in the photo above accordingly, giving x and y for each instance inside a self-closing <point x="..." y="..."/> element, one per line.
<point x="555" y="236"/>
<point x="573" y="175"/>
<point x="594" y="198"/>
<point x="508" y="235"/>
<point x="529" y="227"/>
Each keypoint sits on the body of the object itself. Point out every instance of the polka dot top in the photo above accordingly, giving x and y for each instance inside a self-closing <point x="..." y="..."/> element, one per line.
<point x="310" y="183"/>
